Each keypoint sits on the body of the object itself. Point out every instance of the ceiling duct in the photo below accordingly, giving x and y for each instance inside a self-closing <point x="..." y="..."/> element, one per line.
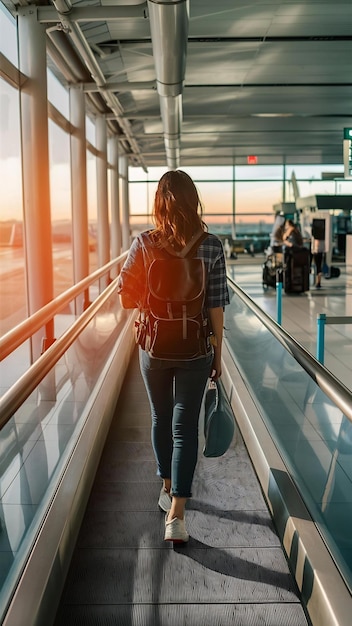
<point x="169" y="31"/>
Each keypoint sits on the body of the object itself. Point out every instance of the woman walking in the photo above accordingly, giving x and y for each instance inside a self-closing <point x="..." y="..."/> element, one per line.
<point x="175" y="387"/>
<point x="318" y="251"/>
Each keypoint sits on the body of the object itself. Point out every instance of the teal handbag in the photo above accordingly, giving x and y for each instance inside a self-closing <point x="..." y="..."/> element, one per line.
<point x="219" y="421"/>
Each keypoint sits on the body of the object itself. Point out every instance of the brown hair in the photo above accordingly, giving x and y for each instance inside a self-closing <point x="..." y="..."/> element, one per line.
<point x="175" y="211"/>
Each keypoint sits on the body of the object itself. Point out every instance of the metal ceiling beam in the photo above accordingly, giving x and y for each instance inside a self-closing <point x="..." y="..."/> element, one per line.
<point x="92" y="14"/>
<point x="122" y="86"/>
<point x="60" y="50"/>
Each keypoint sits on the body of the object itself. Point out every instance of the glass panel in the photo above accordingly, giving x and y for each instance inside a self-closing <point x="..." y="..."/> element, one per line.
<point x="90" y="130"/>
<point x="151" y="191"/>
<point x="217" y="202"/>
<point x="312" y="435"/>
<point x="196" y="173"/>
<point x="254" y="201"/>
<point x="36" y="443"/>
<point x="216" y="198"/>
<point x="58" y="95"/>
<point x="61" y="210"/>
<point x="324" y="187"/>
<point x="92" y="209"/>
<point x="317" y="187"/>
<point x="8" y="39"/>
<point x="312" y="171"/>
<point x="138" y="225"/>
<point x="136" y="173"/>
<point x="153" y="174"/>
<point x="13" y="306"/>
<point x="259" y="172"/>
<point x="257" y="198"/>
<point x="343" y="187"/>
<point x="254" y="205"/>
<point x="213" y="173"/>
<point x="139" y="207"/>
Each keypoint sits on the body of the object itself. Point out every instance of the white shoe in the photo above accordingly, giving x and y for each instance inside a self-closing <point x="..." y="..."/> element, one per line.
<point x="164" y="501"/>
<point x="175" y="531"/>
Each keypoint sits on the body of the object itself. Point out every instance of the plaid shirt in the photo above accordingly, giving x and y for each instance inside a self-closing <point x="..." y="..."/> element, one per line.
<point x="132" y="280"/>
<point x="212" y="253"/>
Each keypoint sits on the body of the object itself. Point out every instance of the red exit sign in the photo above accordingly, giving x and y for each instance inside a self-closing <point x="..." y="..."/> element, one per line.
<point x="252" y="160"/>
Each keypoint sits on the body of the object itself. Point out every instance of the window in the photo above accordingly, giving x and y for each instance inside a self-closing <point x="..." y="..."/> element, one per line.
<point x="13" y="302"/>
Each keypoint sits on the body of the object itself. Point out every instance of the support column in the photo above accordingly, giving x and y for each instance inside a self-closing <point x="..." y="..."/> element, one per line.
<point x="284" y="181"/>
<point x="233" y="224"/>
<point x="79" y="192"/>
<point x="102" y="193"/>
<point x="125" y="209"/>
<point x="35" y="167"/>
<point x="116" y="238"/>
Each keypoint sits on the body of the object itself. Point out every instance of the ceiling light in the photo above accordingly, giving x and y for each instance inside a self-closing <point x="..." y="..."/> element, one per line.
<point x="273" y="115"/>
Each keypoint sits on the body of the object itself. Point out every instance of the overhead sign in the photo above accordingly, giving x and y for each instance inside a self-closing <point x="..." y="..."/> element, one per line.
<point x="252" y="160"/>
<point x="347" y="152"/>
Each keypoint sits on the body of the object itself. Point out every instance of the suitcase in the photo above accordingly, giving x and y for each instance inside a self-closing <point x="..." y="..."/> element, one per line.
<point x="270" y="267"/>
<point x="296" y="270"/>
<point x="332" y="272"/>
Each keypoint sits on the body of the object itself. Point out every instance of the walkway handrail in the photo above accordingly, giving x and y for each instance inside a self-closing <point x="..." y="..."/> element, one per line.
<point x="23" y="387"/>
<point x="327" y="382"/>
<point x="18" y="393"/>
<point x="15" y="337"/>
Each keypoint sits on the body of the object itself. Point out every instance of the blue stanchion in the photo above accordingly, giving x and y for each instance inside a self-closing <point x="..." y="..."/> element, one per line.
<point x="279" y="296"/>
<point x="321" y="319"/>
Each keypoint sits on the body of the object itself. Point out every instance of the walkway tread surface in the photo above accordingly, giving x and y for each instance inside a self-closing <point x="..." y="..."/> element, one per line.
<point x="233" y="570"/>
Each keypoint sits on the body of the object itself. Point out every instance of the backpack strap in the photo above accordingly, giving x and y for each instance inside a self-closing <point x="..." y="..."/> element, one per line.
<point x="190" y="248"/>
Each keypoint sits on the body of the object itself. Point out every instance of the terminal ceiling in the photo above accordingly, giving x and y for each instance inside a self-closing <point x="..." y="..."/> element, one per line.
<point x="210" y="83"/>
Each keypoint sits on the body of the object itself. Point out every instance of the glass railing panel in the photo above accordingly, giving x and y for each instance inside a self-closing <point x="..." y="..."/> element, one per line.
<point x="38" y="439"/>
<point x="312" y="435"/>
<point x="13" y="366"/>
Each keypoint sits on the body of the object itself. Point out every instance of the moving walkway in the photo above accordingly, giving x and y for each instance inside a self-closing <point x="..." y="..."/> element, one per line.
<point x="293" y="421"/>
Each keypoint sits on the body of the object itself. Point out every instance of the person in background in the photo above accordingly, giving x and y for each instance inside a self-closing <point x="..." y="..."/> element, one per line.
<point x="318" y="251"/>
<point x="276" y="237"/>
<point x="292" y="235"/>
<point x="227" y="249"/>
<point x="176" y="388"/>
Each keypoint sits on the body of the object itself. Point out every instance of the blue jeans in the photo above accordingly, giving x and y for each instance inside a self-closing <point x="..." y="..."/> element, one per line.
<point x="175" y="390"/>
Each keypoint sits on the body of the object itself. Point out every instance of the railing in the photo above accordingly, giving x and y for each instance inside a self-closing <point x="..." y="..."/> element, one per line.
<point x="331" y="386"/>
<point x="295" y="418"/>
<point x="62" y="405"/>
<point x="22" y="389"/>
<point x="15" y="337"/>
<point x="15" y="396"/>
